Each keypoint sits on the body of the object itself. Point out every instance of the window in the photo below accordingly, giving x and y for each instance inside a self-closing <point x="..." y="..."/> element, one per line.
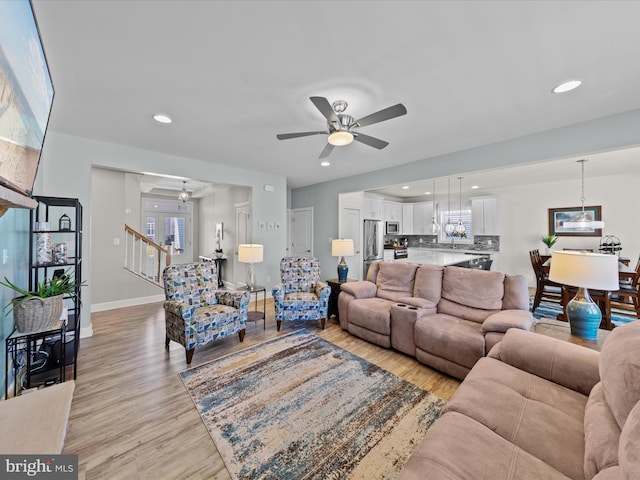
<point x="174" y="233"/>
<point x="454" y="217"/>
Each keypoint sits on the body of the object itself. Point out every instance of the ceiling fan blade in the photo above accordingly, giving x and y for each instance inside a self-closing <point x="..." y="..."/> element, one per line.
<point x="371" y="141"/>
<point x="382" y="115"/>
<point x="326" y="151"/>
<point x="286" y="136"/>
<point x="326" y="109"/>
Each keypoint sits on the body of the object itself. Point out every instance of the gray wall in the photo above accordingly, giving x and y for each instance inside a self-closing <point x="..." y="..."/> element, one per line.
<point x="600" y="135"/>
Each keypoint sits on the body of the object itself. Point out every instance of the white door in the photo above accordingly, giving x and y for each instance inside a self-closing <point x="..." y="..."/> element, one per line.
<point x="243" y="236"/>
<point x="352" y="228"/>
<point x="302" y="232"/>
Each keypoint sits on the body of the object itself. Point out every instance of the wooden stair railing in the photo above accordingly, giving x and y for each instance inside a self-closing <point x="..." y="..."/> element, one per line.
<point x="144" y="258"/>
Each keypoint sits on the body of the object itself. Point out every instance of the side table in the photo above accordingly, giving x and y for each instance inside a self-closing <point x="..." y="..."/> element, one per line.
<point x="562" y="331"/>
<point x="332" y="309"/>
<point x="255" y="315"/>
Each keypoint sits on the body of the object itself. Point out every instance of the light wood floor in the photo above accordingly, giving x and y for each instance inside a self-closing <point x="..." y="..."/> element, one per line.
<point x="132" y="418"/>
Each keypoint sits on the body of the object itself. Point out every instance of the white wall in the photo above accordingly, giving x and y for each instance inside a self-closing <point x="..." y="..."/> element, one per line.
<point x="523" y="213"/>
<point x="219" y="208"/>
<point x="66" y="171"/>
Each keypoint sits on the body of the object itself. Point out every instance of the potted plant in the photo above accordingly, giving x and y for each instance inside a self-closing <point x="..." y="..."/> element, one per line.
<point x="549" y="241"/>
<point x="42" y="307"/>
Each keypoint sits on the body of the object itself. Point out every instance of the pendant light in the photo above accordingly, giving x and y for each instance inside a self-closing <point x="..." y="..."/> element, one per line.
<point x="435" y="226"/>
<point x="460" y="228"/>
<point x="184" y="195"/>
<point x="582" y="222"/>
<point x="449" y="227"/>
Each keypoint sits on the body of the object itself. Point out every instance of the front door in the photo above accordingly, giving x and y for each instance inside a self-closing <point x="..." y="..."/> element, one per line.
<point x="243" y="236"/>
<point x="169" y="224"/>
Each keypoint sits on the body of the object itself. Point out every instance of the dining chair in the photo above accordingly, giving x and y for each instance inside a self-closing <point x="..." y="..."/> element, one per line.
<point x="626" y="300"/>
<point x="545" y="288"/>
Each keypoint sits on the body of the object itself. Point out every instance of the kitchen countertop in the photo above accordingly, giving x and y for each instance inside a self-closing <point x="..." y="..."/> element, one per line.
<point x="458" y="249"/>
<point x="432" y="257"/>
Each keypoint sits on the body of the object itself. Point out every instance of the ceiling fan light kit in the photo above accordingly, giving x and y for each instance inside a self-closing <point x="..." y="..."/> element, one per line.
<point x="340" y="126"/>
<point x="340" y="138"/>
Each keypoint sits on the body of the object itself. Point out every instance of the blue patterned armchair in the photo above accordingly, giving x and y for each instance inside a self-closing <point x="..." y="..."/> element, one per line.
<point x="196" y="312"/>
<point x="301" y="295"/>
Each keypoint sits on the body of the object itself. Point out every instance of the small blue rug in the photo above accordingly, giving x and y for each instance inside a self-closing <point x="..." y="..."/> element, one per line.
<point x="300" y="407"/>
<point x="551" y="310"/>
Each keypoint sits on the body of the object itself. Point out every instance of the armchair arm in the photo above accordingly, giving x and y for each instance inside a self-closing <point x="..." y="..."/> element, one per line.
<point x="278" y="293"/>
<point x="502" y="321"/>
<point x="360" y="289"/>
<point x="323" y="291"/>
<point x="182" y="310"/>
<point x="564" y="363"/>
<point x="234" y="298"/>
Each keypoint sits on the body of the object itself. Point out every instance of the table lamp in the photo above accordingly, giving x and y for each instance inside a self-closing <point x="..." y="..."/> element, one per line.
<point x="250" y="253"/>
<point x="584" y="270"/>
<point x="342" y="248"/>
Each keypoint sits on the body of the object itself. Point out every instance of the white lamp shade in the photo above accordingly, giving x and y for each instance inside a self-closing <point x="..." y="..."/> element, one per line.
<point x="587" y="270"/>
<point x="342" y="247"/>
<point x="250" y="253"/>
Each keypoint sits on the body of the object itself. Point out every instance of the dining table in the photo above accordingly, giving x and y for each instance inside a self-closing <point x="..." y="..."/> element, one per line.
<point x="626" y="275"/>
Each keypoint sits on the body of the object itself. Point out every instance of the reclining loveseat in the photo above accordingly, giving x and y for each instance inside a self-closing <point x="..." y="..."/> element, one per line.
<point x="446" y="317"/>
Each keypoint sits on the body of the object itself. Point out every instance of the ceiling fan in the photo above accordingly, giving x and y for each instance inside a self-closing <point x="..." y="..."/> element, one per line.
<point x="341" y="126"/>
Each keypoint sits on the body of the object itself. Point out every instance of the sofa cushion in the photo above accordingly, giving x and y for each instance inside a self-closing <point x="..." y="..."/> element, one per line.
<point x="472" y="314"/>
<point x="516" y="293"/>
<point x="620" y="370"/>
<point x="428" y="284"/>
<point x="372" y="314"/>
<point x="395" y="280"/>
<point x="453" y="338"/>
<point x="601" y="434"/>
<point x="534" y="414"/>
<point x="629" y="452"/>
<point x="459" y="448"/>
<point x="473" y="288"/>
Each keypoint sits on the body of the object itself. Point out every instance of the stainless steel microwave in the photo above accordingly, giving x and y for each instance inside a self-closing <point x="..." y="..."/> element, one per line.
<point x="392" y="228"/>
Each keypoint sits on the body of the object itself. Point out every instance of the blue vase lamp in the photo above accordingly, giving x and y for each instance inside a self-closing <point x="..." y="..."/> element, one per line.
<point x="342" y="248"/>
<point x="584" y="270"/>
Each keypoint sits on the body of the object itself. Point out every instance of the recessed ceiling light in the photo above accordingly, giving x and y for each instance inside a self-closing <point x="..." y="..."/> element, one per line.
<point x="473" y="187"/>
<point x="405" y="187"/>
<point x="567" y="86"/>
<point x="427" y="193"/>
<point x="325" y="163"/>
<point x="159" y="117"/>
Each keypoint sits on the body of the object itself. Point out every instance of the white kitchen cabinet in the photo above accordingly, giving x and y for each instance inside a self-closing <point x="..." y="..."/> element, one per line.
<point x="484" y="216"/>
<point x="407" y="219"/>
<point x="422" y="217"/>
<point x="372" y="207"/>
<point x="388" y="255"/>
<point x="392" y="211"/>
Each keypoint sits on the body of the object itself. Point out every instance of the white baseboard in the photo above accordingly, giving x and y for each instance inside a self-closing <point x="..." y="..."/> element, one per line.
<point x="130" y="302"/>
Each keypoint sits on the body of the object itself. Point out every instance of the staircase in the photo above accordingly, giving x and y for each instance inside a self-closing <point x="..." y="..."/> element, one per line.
<point x="144" y="258"/>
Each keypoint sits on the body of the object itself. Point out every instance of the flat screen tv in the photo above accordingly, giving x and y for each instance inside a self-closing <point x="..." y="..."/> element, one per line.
<point x="26" y="96"/>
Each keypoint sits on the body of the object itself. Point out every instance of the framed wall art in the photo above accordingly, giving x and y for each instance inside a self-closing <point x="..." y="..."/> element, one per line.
<point x="559" y="216"/>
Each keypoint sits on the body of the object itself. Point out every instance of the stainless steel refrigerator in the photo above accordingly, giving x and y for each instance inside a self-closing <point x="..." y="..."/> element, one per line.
<point x="373" y="244"/>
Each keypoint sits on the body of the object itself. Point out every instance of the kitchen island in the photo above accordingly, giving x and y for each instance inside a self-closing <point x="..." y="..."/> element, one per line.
<point x="441" y="258"/>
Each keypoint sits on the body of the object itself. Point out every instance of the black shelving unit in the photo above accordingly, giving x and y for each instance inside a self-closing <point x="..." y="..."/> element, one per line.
<point x="61" y="219"/>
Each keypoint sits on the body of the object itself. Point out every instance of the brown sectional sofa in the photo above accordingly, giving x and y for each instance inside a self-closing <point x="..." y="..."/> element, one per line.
<point x="446" y="317"/>
<point x="540" y="408"/>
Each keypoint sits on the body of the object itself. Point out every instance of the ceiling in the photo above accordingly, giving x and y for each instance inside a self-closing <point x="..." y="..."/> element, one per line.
<point x="233" y="74"/>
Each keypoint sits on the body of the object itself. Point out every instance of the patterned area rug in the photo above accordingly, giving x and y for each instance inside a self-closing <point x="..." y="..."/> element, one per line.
<point x="551" y="310"/>
<point x="300" y="407"/>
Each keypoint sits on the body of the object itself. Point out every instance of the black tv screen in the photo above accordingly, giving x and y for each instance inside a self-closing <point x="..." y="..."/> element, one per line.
<point x="26" y="96"/>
